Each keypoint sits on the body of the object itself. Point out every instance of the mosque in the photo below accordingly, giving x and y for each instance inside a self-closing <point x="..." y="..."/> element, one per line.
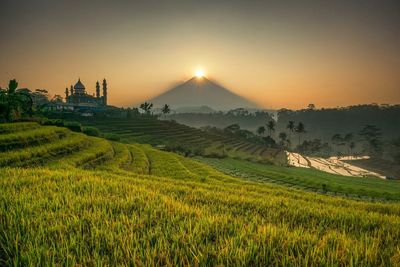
<point x="78" y="97"/>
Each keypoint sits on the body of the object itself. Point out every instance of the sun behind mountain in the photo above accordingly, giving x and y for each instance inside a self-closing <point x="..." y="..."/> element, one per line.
<point x="200" y="91"/>
<point x="199" y="73"/>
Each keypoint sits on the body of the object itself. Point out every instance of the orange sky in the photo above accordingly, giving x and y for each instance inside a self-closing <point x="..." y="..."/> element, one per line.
<point x="275" y="55"/>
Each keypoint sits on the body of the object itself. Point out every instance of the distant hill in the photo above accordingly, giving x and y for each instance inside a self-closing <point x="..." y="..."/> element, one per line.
<point x="194" y="109"/>
<point x="198" y="92"/>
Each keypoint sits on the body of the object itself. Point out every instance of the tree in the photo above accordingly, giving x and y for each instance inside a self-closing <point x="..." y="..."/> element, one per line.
<point x="300" y="129"/>
<point x="261" y="130"/>
<point x="372" y="137"/>
<point x="283" y="138"/>
<point x="128" y="113"/>
<point x="352" y="145"/>
<point x="314" y="148"/>
<point x="165" y="110"/>
<point x="269" y="141"/>
<point x="271" y="127"/>
<point x="338" y="140"/>
<point x="291" y="126"/>
<point x="15" y="102"/>
<point x="41" y="99"/>
<point x="311" y="106"/>
<point x="57" y="99"/>
<point x="132" y="112"/>
<point x="233" y="129"/>
<point x="348" y="138"/>
<point x="146" y="107"/>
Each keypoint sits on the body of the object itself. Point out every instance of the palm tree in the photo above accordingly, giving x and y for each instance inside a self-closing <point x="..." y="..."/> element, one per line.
<point x="348" y="138"/>
<point x="165" y="110"/>
<point x="337" y="140"/>
<point x="261" y="130"/>
<point x="352" y="145"/>
<point x="283" y="137"/>
<point x="291" y="126"/>
<point x="146" y="107"/>
<point x="15" y="100"/>
<point x="271" y="127"/>
<point x="300" y="129"/>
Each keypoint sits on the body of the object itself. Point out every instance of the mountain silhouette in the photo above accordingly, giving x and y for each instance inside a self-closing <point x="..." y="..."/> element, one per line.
<point x="198" y="92"/>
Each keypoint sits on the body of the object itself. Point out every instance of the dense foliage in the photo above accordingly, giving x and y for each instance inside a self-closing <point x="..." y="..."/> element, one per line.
<point x="326" y="122"/>
<point x="247" y="120"/>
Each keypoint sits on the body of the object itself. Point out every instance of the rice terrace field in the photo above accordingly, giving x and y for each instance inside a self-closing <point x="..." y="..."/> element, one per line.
<point x="170" y="133"/>
<point x="199" y="133"/>
<point x="70" y="199"/>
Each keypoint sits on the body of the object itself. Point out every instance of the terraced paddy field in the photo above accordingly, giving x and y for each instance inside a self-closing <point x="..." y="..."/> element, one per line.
<point x="161" y="132"/>
<point x="388" y="169"/>
<point x="69" y="199"/>
<point x="371" y="188"/>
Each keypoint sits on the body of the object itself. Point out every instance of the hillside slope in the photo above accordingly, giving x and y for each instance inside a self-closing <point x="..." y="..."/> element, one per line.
<point x="82" y="200"/>
<point x="175" y="135"/>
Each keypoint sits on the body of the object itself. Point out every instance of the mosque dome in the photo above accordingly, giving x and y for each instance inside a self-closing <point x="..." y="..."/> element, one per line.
<point x="79" y="85"/>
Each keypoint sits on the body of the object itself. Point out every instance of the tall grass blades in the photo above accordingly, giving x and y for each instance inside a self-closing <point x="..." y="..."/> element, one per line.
<point x="87" y="201"/>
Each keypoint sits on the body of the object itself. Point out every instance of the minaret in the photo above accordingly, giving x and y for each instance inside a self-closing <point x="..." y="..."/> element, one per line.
<point x="97" y="89"/>
<point x="71" y="90"/>
<point x="66" y="95"/>
<point x="105" y="92"/>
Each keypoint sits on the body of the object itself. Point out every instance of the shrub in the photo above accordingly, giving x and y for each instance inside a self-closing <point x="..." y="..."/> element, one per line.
<point x="39" y="120"/>
<point x="215" y="154"/>
<point x="91" y="131"/>
<point x="54" y="122"/>
<point x="73" y="126"/>
<point x="182" y="149"/>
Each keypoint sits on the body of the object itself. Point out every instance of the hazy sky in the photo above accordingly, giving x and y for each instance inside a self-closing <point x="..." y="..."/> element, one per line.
<point x="277" y="53"/>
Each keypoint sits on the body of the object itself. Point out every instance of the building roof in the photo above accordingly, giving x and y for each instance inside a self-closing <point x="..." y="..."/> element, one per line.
<point x="79" y="85"/>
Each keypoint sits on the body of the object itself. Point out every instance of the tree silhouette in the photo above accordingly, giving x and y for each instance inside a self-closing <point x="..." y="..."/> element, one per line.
<point x="146" y="107"/>
<point x="283" y="137"/>
<point x="269" y="141"/>
<point x="57" y="99"/>
<point x="300" y="129"/>
<point x="232" y="129"/>
<point x="132" y="112"/>
<point x="165" y="110"/>
<point x="372" y="135"/>
<point x="352" y="145"/>
<point x="338" y="141"/>
<point x="271" y="127"/>
<point x="261" y="130"/>
<point x="311" y="106"/>
<point x="348" y="139"/>
<point x="128" y="113"/>
<point x="291" y="126"/>
<point x="15" y="101"/>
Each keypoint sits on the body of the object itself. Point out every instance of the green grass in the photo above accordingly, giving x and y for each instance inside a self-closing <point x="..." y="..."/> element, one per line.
<point x="17" y="127"/>
<point x="107" y="203"/>
<point x="42" y="153"/>
<point x="140" y="162"/>
<point x="35" y="136"/>
<point x="314" y="180"/>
